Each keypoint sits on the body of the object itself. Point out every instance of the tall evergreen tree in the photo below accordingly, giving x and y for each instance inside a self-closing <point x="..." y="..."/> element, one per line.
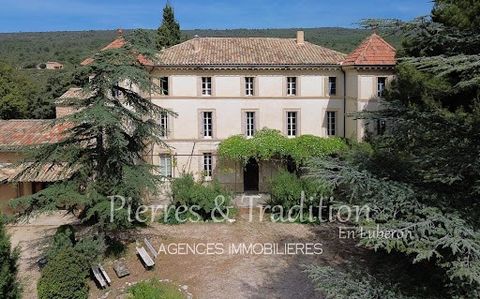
<point x="168" y="34"/>
<point x="104" y="145"/>
<point x="423" y="175"/>
<point x="9" y="286"/>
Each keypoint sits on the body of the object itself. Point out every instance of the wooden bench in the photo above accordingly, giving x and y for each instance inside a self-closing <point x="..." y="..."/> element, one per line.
<point x="150" y="247"/>
<point x="98" y="276"/>
<point x="105" y="275"/>
<point x="146" y="259"/>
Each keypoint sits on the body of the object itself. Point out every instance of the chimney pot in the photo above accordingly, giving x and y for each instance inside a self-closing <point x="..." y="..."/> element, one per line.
<point x="300" y="37"/>
<point x="196" y="44"/>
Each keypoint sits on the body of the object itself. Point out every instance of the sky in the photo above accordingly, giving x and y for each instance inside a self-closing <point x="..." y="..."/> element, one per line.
<point x="67" y="15"/>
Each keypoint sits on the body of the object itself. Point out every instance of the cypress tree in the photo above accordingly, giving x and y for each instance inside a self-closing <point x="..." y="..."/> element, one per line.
<point x="168" y="34"/>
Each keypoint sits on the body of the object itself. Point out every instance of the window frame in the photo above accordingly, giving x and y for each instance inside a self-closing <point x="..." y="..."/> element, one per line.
<point x="202" y="124"/>
<point x="250" y="123"/>
<point x="381" y="90"/>
<point x="332" y="85"/>
<point x="207" y="168"/>
<point x="331" y="126"/>
<point x="206" y="84"/>
<point x="249" y="91"/>
<point x="161" y="81"/>
<point x="292" y="86"/>
<point x="164" y="123"/>
<point x="168" y="166"/>
<point x="296" y="125"/>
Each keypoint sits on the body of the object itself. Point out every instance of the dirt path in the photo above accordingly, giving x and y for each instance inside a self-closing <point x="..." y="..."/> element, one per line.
<point x="223" y="275"/>
<point x="234" y="275"/>
<point x="32" y="237"/>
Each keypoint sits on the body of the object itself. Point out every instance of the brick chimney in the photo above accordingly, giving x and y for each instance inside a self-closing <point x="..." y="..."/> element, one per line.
<point x="300" y="37"/>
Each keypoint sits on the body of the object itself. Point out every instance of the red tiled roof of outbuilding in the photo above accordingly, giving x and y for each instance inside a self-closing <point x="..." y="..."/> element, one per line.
<point x="374" y="50"/>
<point x="115" y="44"/>
<point x="18" y="133"/>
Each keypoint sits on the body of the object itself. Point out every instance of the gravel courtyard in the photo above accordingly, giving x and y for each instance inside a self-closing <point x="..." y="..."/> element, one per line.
<point x="206" y="276"/>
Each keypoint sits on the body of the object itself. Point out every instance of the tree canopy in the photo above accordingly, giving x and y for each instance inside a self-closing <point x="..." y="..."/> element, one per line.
<point x="104" y="144"/>
<point x="168" y="34"/>
<point x="422" y="177"/>
<point x="16" y="93"/>
<point x="9" y="286"/>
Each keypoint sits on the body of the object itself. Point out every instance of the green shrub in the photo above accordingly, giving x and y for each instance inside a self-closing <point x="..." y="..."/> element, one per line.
<point x="64" y="277"/>
<point x="9" y="286"/>
<point x="64" y="238"/>
<point x="69" y="263"/>
<point x="286" y="190"/>
<point x="336" y="284"/>
<point x="204" y="199"/>
<point x="90" y="248"/>
<point x="154" y="289"/>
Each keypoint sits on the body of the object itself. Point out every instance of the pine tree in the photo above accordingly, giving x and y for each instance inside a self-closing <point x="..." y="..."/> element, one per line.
<point x="104" y="144"/>
<point x="168" y="34"/>
<point x="9" y="287"/>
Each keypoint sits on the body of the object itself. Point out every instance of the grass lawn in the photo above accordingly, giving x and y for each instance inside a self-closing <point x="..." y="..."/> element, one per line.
<point x="154" y="289"/>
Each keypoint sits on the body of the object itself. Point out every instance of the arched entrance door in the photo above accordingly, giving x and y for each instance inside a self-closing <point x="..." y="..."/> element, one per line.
<point x="250" y="176"/>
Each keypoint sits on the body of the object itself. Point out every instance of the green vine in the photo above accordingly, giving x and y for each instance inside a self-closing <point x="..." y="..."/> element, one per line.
<point x="268" y="144"/>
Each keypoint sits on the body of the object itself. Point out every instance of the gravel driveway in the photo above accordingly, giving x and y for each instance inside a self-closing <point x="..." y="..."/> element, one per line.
<point x="223" y="275"/>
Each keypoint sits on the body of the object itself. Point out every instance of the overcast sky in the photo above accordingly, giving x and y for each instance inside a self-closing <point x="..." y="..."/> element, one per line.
<point x="58" y="15"/>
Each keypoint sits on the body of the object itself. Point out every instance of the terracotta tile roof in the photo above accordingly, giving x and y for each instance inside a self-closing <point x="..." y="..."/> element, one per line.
<point x="374" y="50"/>
<point x="11" y="173"/>
<point x="73" y="93"/>
<point x="115" y="44"/>
<point x="250" y="51"/>
<point x="15" y="134"/>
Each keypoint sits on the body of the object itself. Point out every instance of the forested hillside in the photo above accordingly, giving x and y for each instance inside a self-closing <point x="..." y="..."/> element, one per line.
<point x="26" y="50"/>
